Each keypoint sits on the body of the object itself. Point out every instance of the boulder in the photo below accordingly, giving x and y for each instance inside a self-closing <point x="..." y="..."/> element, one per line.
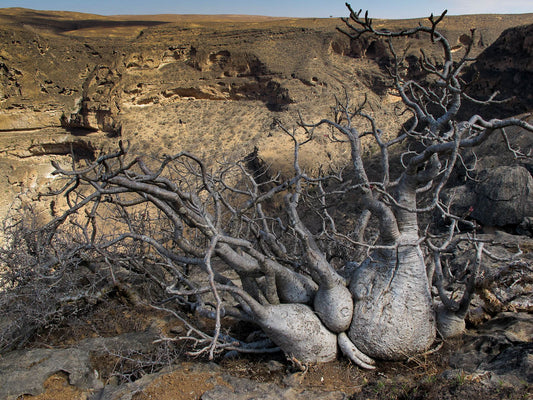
<point x="504" y="196"/>
<point x="501" y="350"/>
<point x="24" y="371"/>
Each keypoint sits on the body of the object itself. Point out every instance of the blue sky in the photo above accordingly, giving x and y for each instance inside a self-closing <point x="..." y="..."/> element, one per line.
<point x="288" y="8"/>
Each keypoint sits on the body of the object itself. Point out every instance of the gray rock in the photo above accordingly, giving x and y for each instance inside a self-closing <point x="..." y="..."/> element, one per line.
<point x="501" y="196"/>
<point x="504" y="196"/>
<point x="24" y="371"/>
<point x="513" y="365"/>
<point x="502" y="350"/>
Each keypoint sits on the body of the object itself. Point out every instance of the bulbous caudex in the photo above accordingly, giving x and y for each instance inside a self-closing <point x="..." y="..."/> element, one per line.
<point x="297" y="331"/>
<point x="449" y="323"/>
<point x="294" y="328"/>
<point x="393" y="312"/>
<point x="451" y="314"/>
<point x="334" y="307"/>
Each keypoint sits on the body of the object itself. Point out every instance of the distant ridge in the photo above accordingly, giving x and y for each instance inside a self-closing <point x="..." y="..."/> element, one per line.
<point x="197" y="17"/>
<point x="21" y="11"/>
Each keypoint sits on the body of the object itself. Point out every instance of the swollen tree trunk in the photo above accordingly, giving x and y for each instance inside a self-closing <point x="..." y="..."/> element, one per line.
<point x="393" y="309"/>
<point x="294" y="328"/>
<point x="297" y="330"/>
<point x="393" y="313"/>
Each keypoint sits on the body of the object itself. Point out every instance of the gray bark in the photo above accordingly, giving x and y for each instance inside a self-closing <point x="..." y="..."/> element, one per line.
<point x="393" y="312"/>
<point x="297" y="330"/>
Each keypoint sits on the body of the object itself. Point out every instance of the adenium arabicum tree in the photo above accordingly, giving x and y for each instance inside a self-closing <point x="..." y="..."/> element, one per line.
<point x="212" y="242"/>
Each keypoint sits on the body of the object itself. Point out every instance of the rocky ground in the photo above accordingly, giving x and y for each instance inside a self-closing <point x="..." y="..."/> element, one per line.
<point x="74" y="84"/>
<point x="492" y="361"/>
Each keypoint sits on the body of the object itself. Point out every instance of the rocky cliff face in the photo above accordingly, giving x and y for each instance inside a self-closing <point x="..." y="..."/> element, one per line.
<point x="75" y="82"/>
<point x="506" y="66"/>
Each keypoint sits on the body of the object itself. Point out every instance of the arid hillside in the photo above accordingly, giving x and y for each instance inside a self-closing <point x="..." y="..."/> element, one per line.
<point x="74" y="83"/>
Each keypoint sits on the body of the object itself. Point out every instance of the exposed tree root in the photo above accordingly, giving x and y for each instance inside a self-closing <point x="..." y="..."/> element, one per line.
<point x="353" y="353"/>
